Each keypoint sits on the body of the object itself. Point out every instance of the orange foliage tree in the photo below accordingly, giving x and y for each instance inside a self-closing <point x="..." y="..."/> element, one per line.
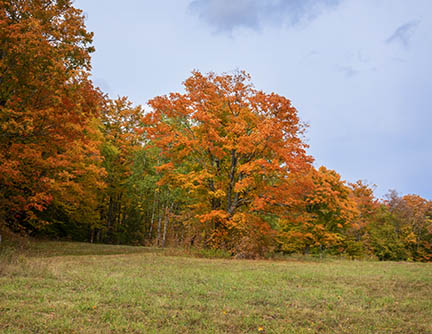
<point x="232" y="149"/>
<point x="367" y="206"/>
<point x="322" y="216"/>
<point x="48" y="111"/>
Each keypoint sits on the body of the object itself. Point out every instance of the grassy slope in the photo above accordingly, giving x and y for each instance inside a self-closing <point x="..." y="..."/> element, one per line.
<point x="116" y="289"/>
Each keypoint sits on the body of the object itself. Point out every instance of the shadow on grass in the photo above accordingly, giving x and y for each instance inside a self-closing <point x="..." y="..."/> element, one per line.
<point x="61" y="248"/>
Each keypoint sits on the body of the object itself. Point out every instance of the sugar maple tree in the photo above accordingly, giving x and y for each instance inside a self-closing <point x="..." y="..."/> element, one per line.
<point x="366" y="205"/>
<point x="48" y="110"/>
<point x="232" y="149"/>
<point x="322" y="216"/>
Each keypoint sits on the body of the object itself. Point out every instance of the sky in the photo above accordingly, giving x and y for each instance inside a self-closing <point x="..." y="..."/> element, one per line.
<point x="358" y="71"/>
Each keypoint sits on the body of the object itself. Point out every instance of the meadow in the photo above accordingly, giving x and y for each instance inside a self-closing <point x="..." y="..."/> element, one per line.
<point x="62" y="287"/>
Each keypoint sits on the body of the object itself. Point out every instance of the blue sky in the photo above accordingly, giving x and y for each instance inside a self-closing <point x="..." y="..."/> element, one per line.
<point x="358" y="71"/>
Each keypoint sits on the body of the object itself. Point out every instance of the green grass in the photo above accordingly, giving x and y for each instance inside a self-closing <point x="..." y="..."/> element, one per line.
<point x="63" y="287"/>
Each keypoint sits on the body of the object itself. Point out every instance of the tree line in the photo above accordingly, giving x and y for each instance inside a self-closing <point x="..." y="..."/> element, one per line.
<point x="220" y="165"/>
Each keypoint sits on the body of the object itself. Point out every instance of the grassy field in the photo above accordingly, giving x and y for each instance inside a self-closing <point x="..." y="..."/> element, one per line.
<point x="82" y="288"/>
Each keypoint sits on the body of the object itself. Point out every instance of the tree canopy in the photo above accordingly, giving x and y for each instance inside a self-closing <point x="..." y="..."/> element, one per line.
<point x="232" y="150"/>
<point x="221" y="165"/>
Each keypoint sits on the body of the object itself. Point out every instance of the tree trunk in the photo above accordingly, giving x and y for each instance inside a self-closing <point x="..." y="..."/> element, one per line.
<point x="159" y="221"/>
<point x="167" y="211"/>
<point x="110" y="217"/>
<point x="165" y="228"/>
<point x="231" y="181"/>
<point x="152" y="216"/>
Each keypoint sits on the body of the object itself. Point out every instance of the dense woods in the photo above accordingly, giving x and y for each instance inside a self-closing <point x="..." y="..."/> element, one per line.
<point x="220" y="165"/>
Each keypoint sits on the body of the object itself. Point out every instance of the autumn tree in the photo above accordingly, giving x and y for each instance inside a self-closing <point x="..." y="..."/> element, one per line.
<point x="231" y="148"/>
<point x="121" y="143"/>
<point x="48" y="112"/>
<point x="134" y="209"/>
<point x="323" y="215"/>
<point x="366" y="204"/>
<point x="417" y="213"/>
<point x="403" y="230"/>
<point x="367" y="207"/>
